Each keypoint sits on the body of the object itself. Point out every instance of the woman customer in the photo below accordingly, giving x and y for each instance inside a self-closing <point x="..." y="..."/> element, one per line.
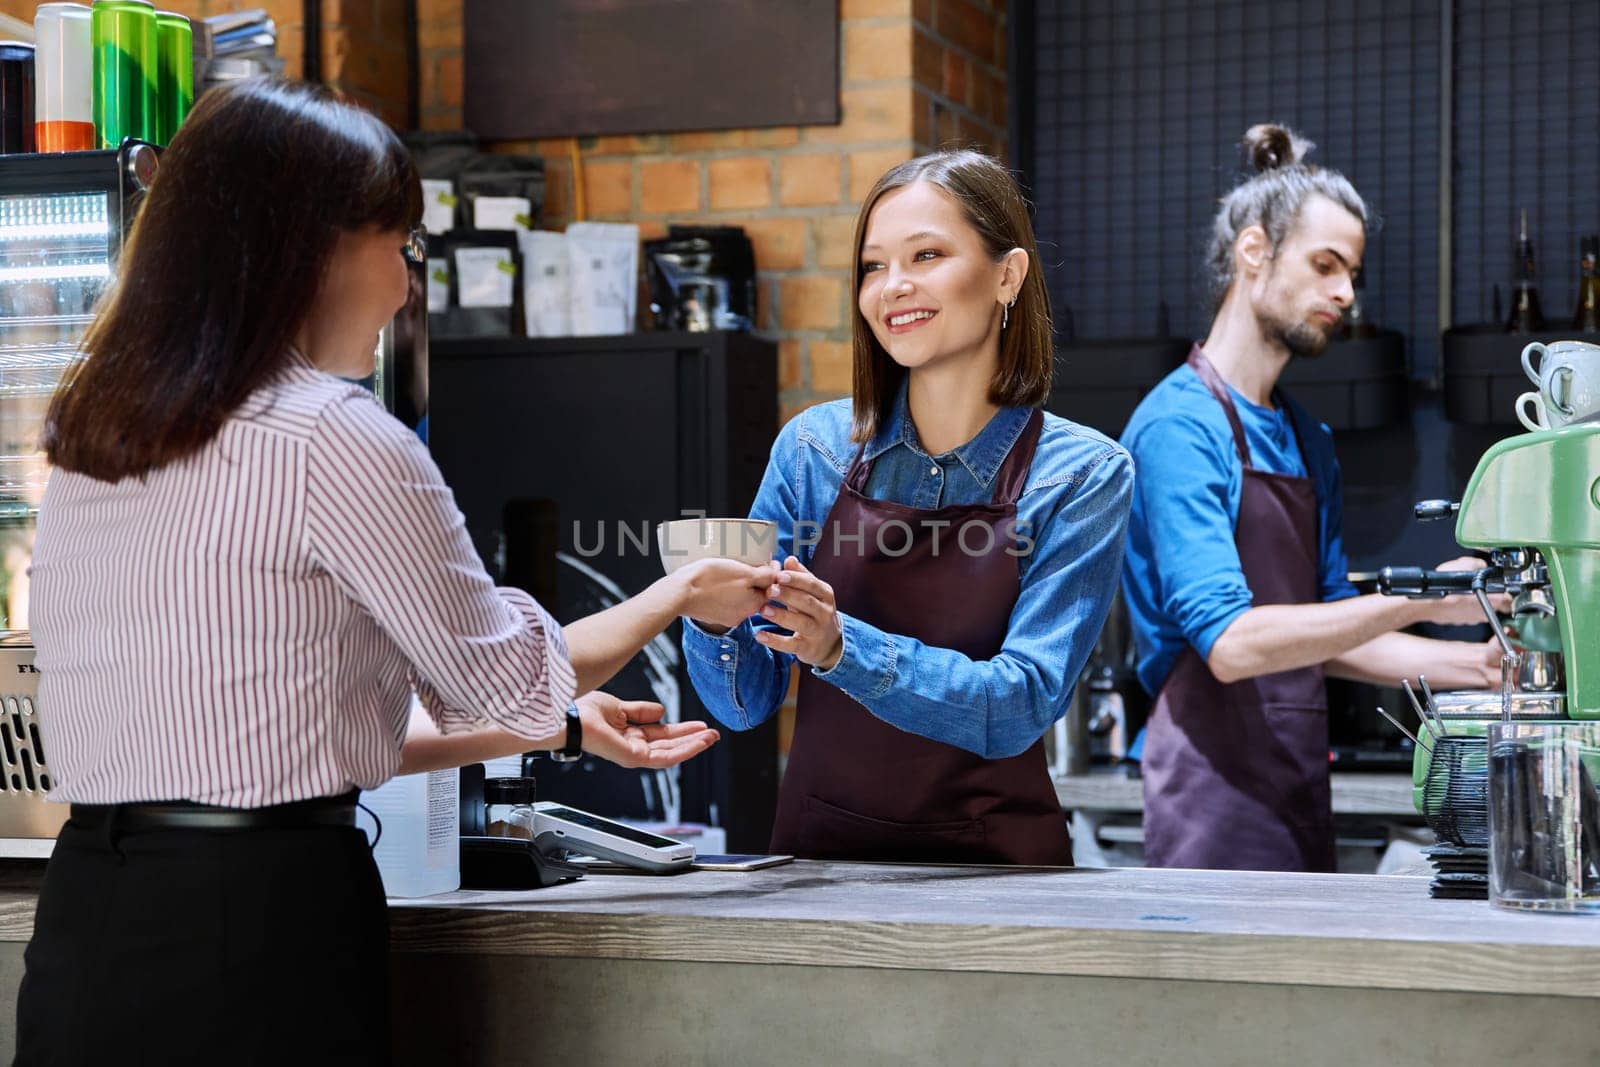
<point x="243" y="567"/>
<point x="951" y="550"/>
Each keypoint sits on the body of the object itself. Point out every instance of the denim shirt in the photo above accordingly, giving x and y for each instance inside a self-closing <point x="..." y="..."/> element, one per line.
<point x="1074" y="508"/>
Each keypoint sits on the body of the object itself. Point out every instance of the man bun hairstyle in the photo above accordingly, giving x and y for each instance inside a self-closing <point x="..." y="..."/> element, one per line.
<point x="1269" y="147"/>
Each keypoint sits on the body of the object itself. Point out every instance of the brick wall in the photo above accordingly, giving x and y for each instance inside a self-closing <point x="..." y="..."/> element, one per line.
<point x="364" y="54"/>
<point x="959" y="69"/>
<point x="916" y="74"/>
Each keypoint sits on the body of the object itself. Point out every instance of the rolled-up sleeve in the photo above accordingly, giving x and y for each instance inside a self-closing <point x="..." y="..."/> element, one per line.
<point x="382" y="522"/>
<point x="1186" y="509"/>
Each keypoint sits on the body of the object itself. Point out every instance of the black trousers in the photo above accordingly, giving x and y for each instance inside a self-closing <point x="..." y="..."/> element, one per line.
<point x="261" y="946"/>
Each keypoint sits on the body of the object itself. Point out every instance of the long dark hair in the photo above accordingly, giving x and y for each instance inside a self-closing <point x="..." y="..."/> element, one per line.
<point x="221" y="268"/>
<point x="994" y="205"/>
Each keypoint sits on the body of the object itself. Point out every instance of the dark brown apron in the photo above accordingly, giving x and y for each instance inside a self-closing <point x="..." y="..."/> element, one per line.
<point x="1236" y="776"/>
<point x="857" y="788"/>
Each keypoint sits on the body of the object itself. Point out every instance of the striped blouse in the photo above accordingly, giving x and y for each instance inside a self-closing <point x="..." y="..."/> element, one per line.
<point x="246" y="626"/>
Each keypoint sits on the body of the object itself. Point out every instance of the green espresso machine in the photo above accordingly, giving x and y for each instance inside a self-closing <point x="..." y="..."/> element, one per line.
<point x="1533" y="504"/>
<point x="1542" y="491"/>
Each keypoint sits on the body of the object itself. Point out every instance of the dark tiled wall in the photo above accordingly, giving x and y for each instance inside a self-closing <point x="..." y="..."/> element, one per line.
<point x="1139" y="108"/>
<point x="1527" y="131"/>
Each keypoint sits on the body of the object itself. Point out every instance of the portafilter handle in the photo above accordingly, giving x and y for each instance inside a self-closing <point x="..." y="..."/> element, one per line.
<point x="1420" y="583"/>
<point x="1431" y="510"/>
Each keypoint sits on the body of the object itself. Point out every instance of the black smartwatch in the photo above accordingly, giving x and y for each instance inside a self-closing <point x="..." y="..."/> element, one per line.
<point x="572" y="751"/>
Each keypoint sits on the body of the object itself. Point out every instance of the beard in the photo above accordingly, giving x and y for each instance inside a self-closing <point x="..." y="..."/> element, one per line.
<point x="1303" y="339"/>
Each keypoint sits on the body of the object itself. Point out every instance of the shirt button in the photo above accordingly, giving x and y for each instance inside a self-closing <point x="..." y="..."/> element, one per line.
<point x="726" y="657"/>
<point x="934" y="471"/>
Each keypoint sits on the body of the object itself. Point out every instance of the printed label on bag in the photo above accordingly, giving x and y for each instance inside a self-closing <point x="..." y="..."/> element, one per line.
<point x="444" y="814"/>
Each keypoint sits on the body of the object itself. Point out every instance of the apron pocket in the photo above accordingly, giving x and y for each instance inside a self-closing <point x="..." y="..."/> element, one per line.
<point x="839" y="833"/>
<point x="1298" y="760"/>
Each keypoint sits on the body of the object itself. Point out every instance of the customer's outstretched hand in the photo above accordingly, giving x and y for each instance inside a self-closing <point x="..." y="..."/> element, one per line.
<point x="630" y="733"/>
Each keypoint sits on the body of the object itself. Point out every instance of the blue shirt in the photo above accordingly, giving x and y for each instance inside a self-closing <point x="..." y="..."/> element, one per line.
<point x="1074" y="507"/>
<point x="1182" y="580"/>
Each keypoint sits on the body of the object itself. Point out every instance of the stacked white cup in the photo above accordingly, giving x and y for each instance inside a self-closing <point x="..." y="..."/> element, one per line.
<point x="1568" y="376"/>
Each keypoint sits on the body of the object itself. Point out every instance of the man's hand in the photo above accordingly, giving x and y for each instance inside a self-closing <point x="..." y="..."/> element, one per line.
<point x="1463" y="609"/>
<point x="1483" y="663"/>
<point x="630" y="733"/>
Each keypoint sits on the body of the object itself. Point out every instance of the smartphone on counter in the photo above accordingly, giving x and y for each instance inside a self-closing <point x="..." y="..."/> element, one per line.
<point x="708" y="862"/>
<point x="713" y="862"/>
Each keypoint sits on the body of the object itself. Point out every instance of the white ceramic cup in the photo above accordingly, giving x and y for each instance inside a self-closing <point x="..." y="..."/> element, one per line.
<point x="1534" y="401"/>
<point x="1568" y="376"/>
<point x="685" y="541"/>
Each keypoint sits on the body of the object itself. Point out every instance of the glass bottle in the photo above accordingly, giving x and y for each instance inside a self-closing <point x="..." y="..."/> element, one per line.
<point x="508" y="807"/>
<point x="1525" y="314"/>
<point x="1356" y="324"/>
<point x="1587" y="317"/>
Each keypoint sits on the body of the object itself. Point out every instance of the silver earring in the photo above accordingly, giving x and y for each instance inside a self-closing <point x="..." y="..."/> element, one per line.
<point x="1005" y="313"/>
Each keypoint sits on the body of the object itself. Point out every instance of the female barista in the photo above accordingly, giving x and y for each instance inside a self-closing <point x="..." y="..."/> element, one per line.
<point x="951" y="550"/>
<point x="242" y="567"/>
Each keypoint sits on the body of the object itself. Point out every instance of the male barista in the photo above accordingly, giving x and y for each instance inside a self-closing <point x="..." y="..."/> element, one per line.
<point x="1235" y="574"/>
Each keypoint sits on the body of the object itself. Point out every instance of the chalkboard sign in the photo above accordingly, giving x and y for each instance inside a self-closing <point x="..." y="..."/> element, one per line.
<point x="560" y="68"/>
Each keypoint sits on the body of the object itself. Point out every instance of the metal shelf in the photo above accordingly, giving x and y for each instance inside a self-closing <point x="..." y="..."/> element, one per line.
<point x="34" y="370"/>
<point x="20" y="472"/>
<point x="45" y="320"/>
<point x="66" y="231"/>
<point x="18" y="513"/>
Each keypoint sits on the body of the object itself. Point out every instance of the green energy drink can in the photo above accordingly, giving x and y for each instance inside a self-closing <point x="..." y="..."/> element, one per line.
<point x="174" y="73"/>
<point x="122" y="34"/>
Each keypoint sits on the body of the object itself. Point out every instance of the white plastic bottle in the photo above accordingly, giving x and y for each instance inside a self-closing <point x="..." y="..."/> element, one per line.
<point x="419" y="853"/>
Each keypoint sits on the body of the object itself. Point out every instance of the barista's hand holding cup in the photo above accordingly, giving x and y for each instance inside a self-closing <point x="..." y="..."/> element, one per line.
<point x="804" y="605"/>
<point x="725" y="566"/>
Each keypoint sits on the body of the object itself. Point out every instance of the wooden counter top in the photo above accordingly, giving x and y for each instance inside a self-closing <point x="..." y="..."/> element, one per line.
<point x="1294" y="929"/>
<point x="1346" y="930"/>
<point x="844" y="964"/>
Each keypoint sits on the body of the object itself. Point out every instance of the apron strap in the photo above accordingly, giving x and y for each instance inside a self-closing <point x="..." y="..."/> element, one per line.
<point x="1014" y="472"/>
<point x="1213" y="381"/>
<point x="856" y="476"/>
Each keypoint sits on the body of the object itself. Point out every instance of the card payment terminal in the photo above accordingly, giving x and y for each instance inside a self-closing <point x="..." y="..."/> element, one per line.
<point x="556" y="826"/>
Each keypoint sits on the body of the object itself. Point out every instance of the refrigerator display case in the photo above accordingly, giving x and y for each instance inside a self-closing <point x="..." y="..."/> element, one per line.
<point x="63" y="219"/>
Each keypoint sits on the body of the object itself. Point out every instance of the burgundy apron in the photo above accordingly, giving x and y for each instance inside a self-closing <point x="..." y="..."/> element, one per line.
<point x="1236" y="776"/>
<point x="857" y="788"/>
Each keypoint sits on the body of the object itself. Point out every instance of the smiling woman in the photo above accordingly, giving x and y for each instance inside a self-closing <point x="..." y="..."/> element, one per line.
<point x="948" y="227"/>
<point x="959" y="566"/>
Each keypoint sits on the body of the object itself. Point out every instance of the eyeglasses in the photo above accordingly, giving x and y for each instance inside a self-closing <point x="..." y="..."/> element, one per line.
<point x="416" y="247"/>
